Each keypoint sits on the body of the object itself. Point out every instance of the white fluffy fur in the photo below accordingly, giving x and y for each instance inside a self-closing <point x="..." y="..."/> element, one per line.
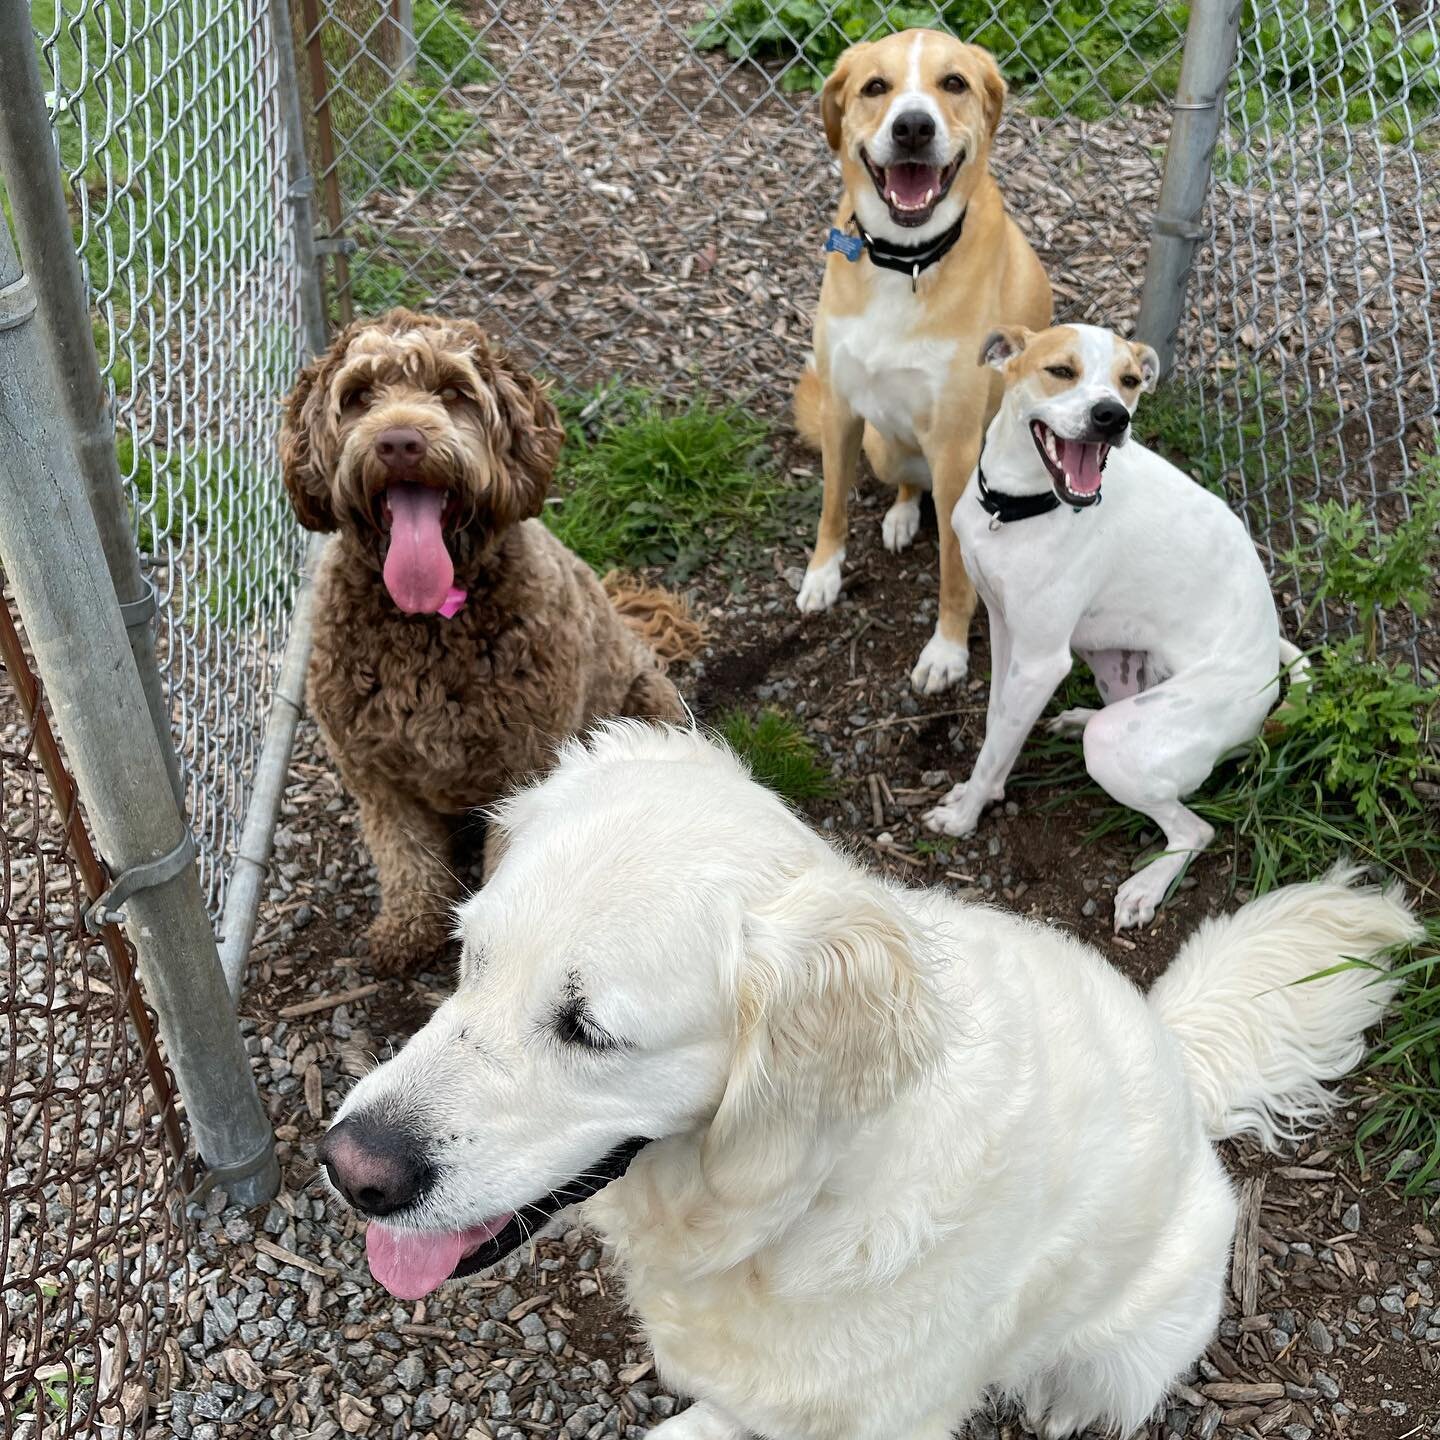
<point x="910" y="1153"/>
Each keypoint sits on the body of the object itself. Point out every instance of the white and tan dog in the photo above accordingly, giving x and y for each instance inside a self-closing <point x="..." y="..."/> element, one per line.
<point x="1159" y="590"/>
<point x="939" y="265"/>
<point x="889" y="1155"/>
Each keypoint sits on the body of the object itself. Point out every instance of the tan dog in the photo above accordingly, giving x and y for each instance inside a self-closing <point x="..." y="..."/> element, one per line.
<point x="457" y="641"/>
<point x="941" y="265"/>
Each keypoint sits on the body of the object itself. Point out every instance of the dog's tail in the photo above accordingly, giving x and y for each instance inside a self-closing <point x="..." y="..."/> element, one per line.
<point x="807" y="405"/>
<point x="1295" y="666"/>
<point x="1259" y="1034"/>
<point x="659" y="617"/>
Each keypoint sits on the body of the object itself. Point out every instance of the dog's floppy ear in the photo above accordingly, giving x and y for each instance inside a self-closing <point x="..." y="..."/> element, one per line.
<point x="1149" y="363"/>
<point x="1003" y="345"/>
<point x="300" y="422"/>
<point x="992" y="87"/>
<point x="832" y="97"/>
<point x="836" y="1017"/>
<point x="535" y="436"/>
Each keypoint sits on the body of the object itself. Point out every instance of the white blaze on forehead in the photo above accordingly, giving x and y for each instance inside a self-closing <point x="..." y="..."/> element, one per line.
<point x="1098" y="349"/>
<point x="915" y="97"/>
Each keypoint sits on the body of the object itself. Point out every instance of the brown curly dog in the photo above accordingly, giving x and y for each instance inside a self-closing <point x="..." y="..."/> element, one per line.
<point x="457" y="641"/>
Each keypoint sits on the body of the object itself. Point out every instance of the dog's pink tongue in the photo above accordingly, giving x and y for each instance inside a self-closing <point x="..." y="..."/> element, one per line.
<point x="412" y="1263"/>
<point x="1081" y="464"/>
<point x="418" y="568"/>
<point x="909" y="184"/>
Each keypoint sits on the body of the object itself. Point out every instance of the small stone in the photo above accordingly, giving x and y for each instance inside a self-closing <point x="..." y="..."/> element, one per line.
<point x="1329" y="1388"/>
<point x="410" y="1371"/>
<point x="1350" y="1220"/>
<point x="1321" y="1341"/>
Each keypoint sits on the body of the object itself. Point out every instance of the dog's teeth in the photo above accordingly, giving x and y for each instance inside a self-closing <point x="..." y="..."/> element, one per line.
<point x="929" y="196"/>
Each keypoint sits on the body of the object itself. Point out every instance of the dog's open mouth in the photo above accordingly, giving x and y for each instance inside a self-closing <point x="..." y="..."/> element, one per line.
<point x="911" y="190"/>
<point x="1075" y="466"/>
<point x="412" y="1263"/>
<point x="419" y="573"/>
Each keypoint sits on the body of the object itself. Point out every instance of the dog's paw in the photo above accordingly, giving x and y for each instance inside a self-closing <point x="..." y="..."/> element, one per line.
<point x="954" y="815"/>
<point x="821" y="587"/>
<point x="900" y="525"/>
<point x="400" y="942"/>
<point x="1137" y="900"/>
<point x="942" y="664"/>
<point x="1070" y="722"/>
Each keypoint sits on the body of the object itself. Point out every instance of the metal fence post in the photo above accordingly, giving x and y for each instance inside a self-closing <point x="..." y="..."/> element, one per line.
<point x="50" y="549"/>
<point x="31" y="172"/>
<point x="1199" y="108"/>
<point x="252" y="856"/>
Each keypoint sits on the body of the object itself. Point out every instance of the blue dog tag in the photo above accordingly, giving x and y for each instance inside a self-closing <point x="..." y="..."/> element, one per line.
<point x="850" y="246"/>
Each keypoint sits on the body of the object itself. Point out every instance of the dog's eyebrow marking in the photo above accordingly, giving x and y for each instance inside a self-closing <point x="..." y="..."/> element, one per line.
<point x="575" y="1024"/>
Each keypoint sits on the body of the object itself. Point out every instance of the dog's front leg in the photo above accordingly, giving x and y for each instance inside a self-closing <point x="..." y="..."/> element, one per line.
<point x="841" y="430"/>
<point x="1031" y="679"/>
<point x="946" y="657"/>
<point x="412" y="850"/>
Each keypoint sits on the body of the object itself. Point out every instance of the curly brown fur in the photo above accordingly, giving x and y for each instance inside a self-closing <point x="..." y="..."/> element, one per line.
<point x="428" y="718"/>
<point x="659" y="617"/>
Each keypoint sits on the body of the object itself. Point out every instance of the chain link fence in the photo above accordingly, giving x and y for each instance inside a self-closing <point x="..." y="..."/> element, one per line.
<point x="92" y="1247"/>
<point x="635" y="190"/>
<point x="168" y="120"/>
<point x="1312" y="330"/>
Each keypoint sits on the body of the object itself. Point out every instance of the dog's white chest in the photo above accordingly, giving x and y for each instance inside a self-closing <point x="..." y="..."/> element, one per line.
<point x="888" y="376"/>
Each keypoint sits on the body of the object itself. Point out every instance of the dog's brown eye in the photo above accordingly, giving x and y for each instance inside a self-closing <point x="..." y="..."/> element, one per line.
<point x="878" y="86"/>
<point x="1129" y="381"/>
<point x="955" y="84"/>
<point x="359" y="399"/>
<point x="1060" y="372"/>
<point x="451" y="395"/>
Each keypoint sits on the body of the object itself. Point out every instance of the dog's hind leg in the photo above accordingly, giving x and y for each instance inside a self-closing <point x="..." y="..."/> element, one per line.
<point x="1145" y="756"/>
<point x="904" y="468"/>
<point x="702" y="1421"/>
<point x="652" y="696"/>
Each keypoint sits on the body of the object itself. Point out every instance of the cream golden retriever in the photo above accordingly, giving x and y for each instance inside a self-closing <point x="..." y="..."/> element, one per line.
<point x="867" y="1157"/>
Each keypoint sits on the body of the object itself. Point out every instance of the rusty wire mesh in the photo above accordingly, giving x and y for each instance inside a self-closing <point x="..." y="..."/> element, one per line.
<point x="92" y="1242"/>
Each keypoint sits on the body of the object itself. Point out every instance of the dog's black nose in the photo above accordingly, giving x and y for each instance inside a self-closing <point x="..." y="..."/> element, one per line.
<point x="1109" y="417"/>
<point x="400" y="449"/>
<point x="378" y="1169"/>
<point x="913" y="130"/>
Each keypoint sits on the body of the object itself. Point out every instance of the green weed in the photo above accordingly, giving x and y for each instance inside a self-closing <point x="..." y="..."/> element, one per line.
<point x="643" y="483"/>
<point x="1354" y="563"/>
<point x="779" y="754"/>
<point x="450" y="50"/>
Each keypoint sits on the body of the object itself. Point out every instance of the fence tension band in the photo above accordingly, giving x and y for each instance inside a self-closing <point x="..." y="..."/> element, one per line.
<point x="17" y="303"/>
<point x="335" y="245"/>
<point x="137" y="612"/>
<point x="222" y="1175"/>
<point x="105" y="909"/>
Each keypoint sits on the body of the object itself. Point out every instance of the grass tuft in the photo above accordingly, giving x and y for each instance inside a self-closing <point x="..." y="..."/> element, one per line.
<point x="779" y="754"/>
<point x="642" y="483"/>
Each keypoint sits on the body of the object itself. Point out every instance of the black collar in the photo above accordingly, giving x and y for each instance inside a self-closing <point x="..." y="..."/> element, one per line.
<point x="909" y="259"/>
<point x="1006" y="508"/>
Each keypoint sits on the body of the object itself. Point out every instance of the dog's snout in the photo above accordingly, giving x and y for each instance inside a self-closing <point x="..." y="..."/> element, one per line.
<point x="377" y="1169"/>
<point x="400" y="449"/>
<point x="1109" y="417"/>
<point x="913" y="130"/>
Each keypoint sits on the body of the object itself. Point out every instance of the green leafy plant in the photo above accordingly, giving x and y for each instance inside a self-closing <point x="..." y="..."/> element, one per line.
<point x="643" y="483"/>
<point x="779" y="754"/>
<point x="1354" y="563"/>
<point x="1085" y="59"/>
<point x="450" y="50"/>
